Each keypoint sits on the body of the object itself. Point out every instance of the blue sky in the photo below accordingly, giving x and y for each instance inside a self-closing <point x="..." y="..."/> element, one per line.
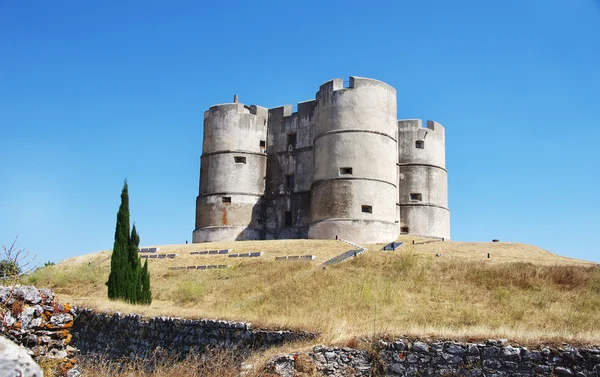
<point x="92" y="92"/>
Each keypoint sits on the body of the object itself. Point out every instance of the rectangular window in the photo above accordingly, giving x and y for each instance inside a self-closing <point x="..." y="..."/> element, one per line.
<point x="416" y="197"/>
<point x="367" y="209"/>
<point x="420" y="144"/>
<point x="288" y="219"/>
<point x="345" y="171"/>
<point x="404" y="230"/>
<point x="290" y="181"/>
<point x="226" y="199"/>
<point x="292" y="140"/>
<point x="239" y="160"/>
<point x="263" y="143"/>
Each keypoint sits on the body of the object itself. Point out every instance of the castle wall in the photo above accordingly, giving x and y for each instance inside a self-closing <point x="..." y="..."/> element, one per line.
<point x="422" y="179"/>
<point x="290" y="170"/>
<point x="354" y="188"/>
<point x="341" y="165"/>
<point x="233" y="167"/>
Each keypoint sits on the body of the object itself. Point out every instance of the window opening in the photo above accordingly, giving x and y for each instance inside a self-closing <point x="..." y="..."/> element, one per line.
<point x="420" y="144"/>
<point x="367" y="209"/>
<point x="263" y="143"/>
<point x="292" y="140"/>
<point x="288" y="218"/>
<point x="290" y="181"/>
<point x="404" y="230"/>
<point x="226" y="199"/>
<point x="416" y="197"/>
<point x="345" y="171"/>
<point x="239" y="160"/>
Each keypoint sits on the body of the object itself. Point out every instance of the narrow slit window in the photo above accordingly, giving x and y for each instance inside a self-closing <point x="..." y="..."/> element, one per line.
<point x="288" y="219"/>
<point x="420" y="144"/>
<point x="226" y="199"/>
<point x="345" y="171"/>
<point x="404" y="230"/>
<point x="416" y="197"/>
<point x="263" y="143"/>
<point x="292" y="140"/>
<point x="367" y="209"/>
<point x="290" y="181"/>
<point x="239" y="159"/>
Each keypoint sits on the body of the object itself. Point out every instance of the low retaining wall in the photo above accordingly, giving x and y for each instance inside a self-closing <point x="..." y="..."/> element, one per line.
<point x="408" y="358"/>
<point x="117" y="335"/>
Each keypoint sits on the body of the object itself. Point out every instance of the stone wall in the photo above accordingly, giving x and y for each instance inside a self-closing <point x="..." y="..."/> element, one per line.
<point x="416" y="358"/>
<point x="32" y="318"/>
<point x="117" y="335"/>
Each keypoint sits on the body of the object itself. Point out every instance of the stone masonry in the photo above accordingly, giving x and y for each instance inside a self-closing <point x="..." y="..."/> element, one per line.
<point x="117" y="335"/>
<point x="340" y="165"/>
<point x="32" y="318"/>
<point x="402" y="357"/>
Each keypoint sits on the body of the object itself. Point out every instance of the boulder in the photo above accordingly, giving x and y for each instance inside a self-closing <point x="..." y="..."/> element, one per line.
<point x="15" y="361"/>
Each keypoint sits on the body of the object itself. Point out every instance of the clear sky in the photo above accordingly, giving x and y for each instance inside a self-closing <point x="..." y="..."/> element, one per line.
<point x="93" y="92"/>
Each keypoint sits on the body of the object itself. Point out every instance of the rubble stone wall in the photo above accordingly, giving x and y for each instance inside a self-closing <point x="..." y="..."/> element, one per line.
<point x="117" y="335"/>
<point x="416" y="358"/>
<point x="32" y="318"/>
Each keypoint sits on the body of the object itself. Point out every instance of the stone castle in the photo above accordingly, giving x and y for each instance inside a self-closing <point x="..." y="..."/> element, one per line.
<point x="342" y="165"/>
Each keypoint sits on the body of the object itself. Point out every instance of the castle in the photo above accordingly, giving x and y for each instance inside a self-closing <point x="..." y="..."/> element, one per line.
<point x="342" y="165"/>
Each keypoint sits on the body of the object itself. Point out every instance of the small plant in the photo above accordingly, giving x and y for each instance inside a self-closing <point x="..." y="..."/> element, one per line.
<point x="14" y="262"/>
<point x="16" y="308"/>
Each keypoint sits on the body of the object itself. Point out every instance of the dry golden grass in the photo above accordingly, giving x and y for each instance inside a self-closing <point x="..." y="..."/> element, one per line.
<point x="208" y="365"/>
<point x="522" y="293"/>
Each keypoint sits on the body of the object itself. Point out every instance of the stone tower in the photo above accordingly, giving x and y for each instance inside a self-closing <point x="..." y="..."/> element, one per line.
<point x="232" y="172"/>
<point x="339" y="165"/>
<point x="422" y="179"/>
<point x="354" y="186"/>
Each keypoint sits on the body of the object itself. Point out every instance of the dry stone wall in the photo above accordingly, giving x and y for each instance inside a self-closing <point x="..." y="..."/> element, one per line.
<point x="32" y="318"/>
<point x="493" y="358"/>
<point x="118" y="336"/>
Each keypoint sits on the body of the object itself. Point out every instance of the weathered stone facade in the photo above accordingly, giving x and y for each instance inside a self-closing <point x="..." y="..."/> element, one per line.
<point x="494" y="358"/>
<point x="340" y="165"/>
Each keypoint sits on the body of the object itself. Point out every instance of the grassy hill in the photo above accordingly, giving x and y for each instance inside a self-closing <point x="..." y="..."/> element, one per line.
<point x="438" y="289"/>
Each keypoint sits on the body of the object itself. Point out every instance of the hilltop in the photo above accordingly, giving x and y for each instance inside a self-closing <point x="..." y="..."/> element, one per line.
<point x="429" y="289"/>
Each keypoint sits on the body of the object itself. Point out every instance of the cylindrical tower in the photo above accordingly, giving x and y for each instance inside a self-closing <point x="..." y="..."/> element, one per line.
<point x="423" y="180"/>
<point x="354" y="190"/>
<point x="232" y="173"/>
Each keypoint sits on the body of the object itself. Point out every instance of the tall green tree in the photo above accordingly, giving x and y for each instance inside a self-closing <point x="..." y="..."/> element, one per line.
<point x="134" y="286"/>
<point x="118" y="277"/>
<point x="127" y="280"/>
<point x="146" y="295"/>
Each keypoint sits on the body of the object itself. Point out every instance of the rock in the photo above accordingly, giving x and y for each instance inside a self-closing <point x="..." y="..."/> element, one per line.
<point x="16" y="362"/>
<point x="420" y="347"/>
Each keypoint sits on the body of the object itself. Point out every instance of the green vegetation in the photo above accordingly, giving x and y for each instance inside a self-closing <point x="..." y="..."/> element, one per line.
<point x="9" y="268"/>
<point x="127" y="280"/>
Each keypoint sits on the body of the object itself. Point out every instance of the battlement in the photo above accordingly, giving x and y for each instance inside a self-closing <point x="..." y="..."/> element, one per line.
<point x="305" y="108"/>
<point x="239" y="107"/>
<point x="354" y="82"/>
<point x="416" y="124"/>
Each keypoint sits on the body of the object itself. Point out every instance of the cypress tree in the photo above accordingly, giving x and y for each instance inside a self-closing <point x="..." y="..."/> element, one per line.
<point x="134" y="286"/>
<point x="146" y="297"/>
<point x="127" y="280"/>
<point x="117" y="280"/>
